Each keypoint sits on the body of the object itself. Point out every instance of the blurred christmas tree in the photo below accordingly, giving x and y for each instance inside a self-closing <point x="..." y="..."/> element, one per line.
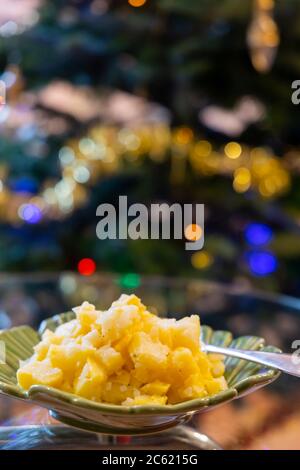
<point x="219" y="73"/>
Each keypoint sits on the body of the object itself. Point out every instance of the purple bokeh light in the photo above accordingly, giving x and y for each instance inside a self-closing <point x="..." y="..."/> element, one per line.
<point x="30" y="213"/>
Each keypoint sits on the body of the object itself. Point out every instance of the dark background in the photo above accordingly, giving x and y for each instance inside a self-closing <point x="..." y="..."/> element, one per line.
<point x="106" y="98"/>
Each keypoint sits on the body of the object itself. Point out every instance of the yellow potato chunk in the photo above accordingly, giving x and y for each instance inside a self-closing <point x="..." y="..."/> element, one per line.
<point x="150" y="358"/>
<point x="116" y="393"/>
<point x="126" y="356"/>
<point x="64" y="331"/>
<point x="214" y="386"/>
<point x="182" y="363"/>
<point x="152" y="354"/>
<point x="114" y="323"/>
<point x="186" y="333"/>
<point x="122" y="377"/>
<point x="111" y="359"/>
<point x="93" y="339"/>
<point x="218" y="369"/>
<point x="145" y="400"/>
<point x="89" y="383"/>
<point x="69" y="358"/>
<point x="39" y="372"/>
<point x="217" y="364"/>
<point x="86" y="314"/>
<point x="155" y="388"/>
<point x="41" y="350"/>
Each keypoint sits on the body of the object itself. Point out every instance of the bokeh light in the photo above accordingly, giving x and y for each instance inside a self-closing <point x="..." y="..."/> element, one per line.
<point x="66" y="155"/>
<point x="137" y="3"/>
<point x="87" y="146"/>
<point x="130" y="281"/>
<point x="193" y="232"/>
<point x="24" y="184"/>
<point x="30" y="213"/>
<point x="233" y="150"/>
<point x="262" y="263"/>
<point x="81" y="174"/>
<point x="183" y="136"/>
<point x="201" y="259"/>
<point x="68" y="284"/>
<point x="86" y="266"/>
<point x="202" y="149"/>
<point x="242" y="180"/>
<point x="258" y="234"/>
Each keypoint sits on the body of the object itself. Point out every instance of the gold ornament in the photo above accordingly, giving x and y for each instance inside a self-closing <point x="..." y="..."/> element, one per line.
<point x="263" y="36"/>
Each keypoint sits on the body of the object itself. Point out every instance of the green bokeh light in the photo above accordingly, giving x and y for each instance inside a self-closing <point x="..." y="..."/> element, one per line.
<point x="130" y="281"/>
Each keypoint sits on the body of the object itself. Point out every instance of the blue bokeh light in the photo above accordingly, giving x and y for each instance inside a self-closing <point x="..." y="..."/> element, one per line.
<point x="258" y="234"/>
<point x="30" y="213"/>
<point x="262" y="263"/>
<point x="24" y="184"/>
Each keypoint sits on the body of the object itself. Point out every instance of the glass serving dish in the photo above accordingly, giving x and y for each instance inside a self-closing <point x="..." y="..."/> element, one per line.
<point x="266" y="419"/>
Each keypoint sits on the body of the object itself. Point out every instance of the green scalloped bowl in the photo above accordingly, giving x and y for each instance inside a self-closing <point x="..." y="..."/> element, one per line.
<point x="242" y="377"/>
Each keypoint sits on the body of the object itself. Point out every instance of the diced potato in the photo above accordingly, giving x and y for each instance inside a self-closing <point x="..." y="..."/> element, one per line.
<point x="152" y="354"/>
<point x="92" y="339"/>
<point x="166" y="336"/>
<point x="116" y="393"/>
<point x="86" y="314"/>
<point x="126" y="356"/>
<point x="145" y="400"/>
<point x="68" y="357"/>
<point x="182" y="363"/>
<point x="214" y="386"/>
<point x="80" y="330"/>
<point x="193" y="387"/>
<point x="155" y="388"/>
<point x="95" y="371"/>
<point x="203" y="364"/>
<point x="130" y="300"/>
<point x="41" y="350"/>
<point x="118" y="321"/>
<point x="111" y="359"/>
<point x="66" y="330"/>
<point x="217" y="368"/>
<point x="122" y="345"/>
<point x="186" y="333"/>
<point x="159" y="329"/>
<point x="39" y="372"/>
<point x="89" y="383"/>
<point x="122" y="377"/>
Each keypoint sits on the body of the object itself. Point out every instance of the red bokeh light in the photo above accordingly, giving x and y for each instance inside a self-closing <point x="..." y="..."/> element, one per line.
<point x="86" y="266"/>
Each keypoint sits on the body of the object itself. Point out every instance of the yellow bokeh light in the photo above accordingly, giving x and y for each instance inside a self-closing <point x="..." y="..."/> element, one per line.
<point x="242" y="175"/>
<point x="265" y="4"/>
<point x="137" y="3"/>
<point x="201" y="260"/>
<point x="233" y="150"/>
<point x="183" y="136"/>
<point x="242" y="180"/>
<point x="202" y="149"/>
<point x="266" y="188"/>
<point x="193" y="232"/>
